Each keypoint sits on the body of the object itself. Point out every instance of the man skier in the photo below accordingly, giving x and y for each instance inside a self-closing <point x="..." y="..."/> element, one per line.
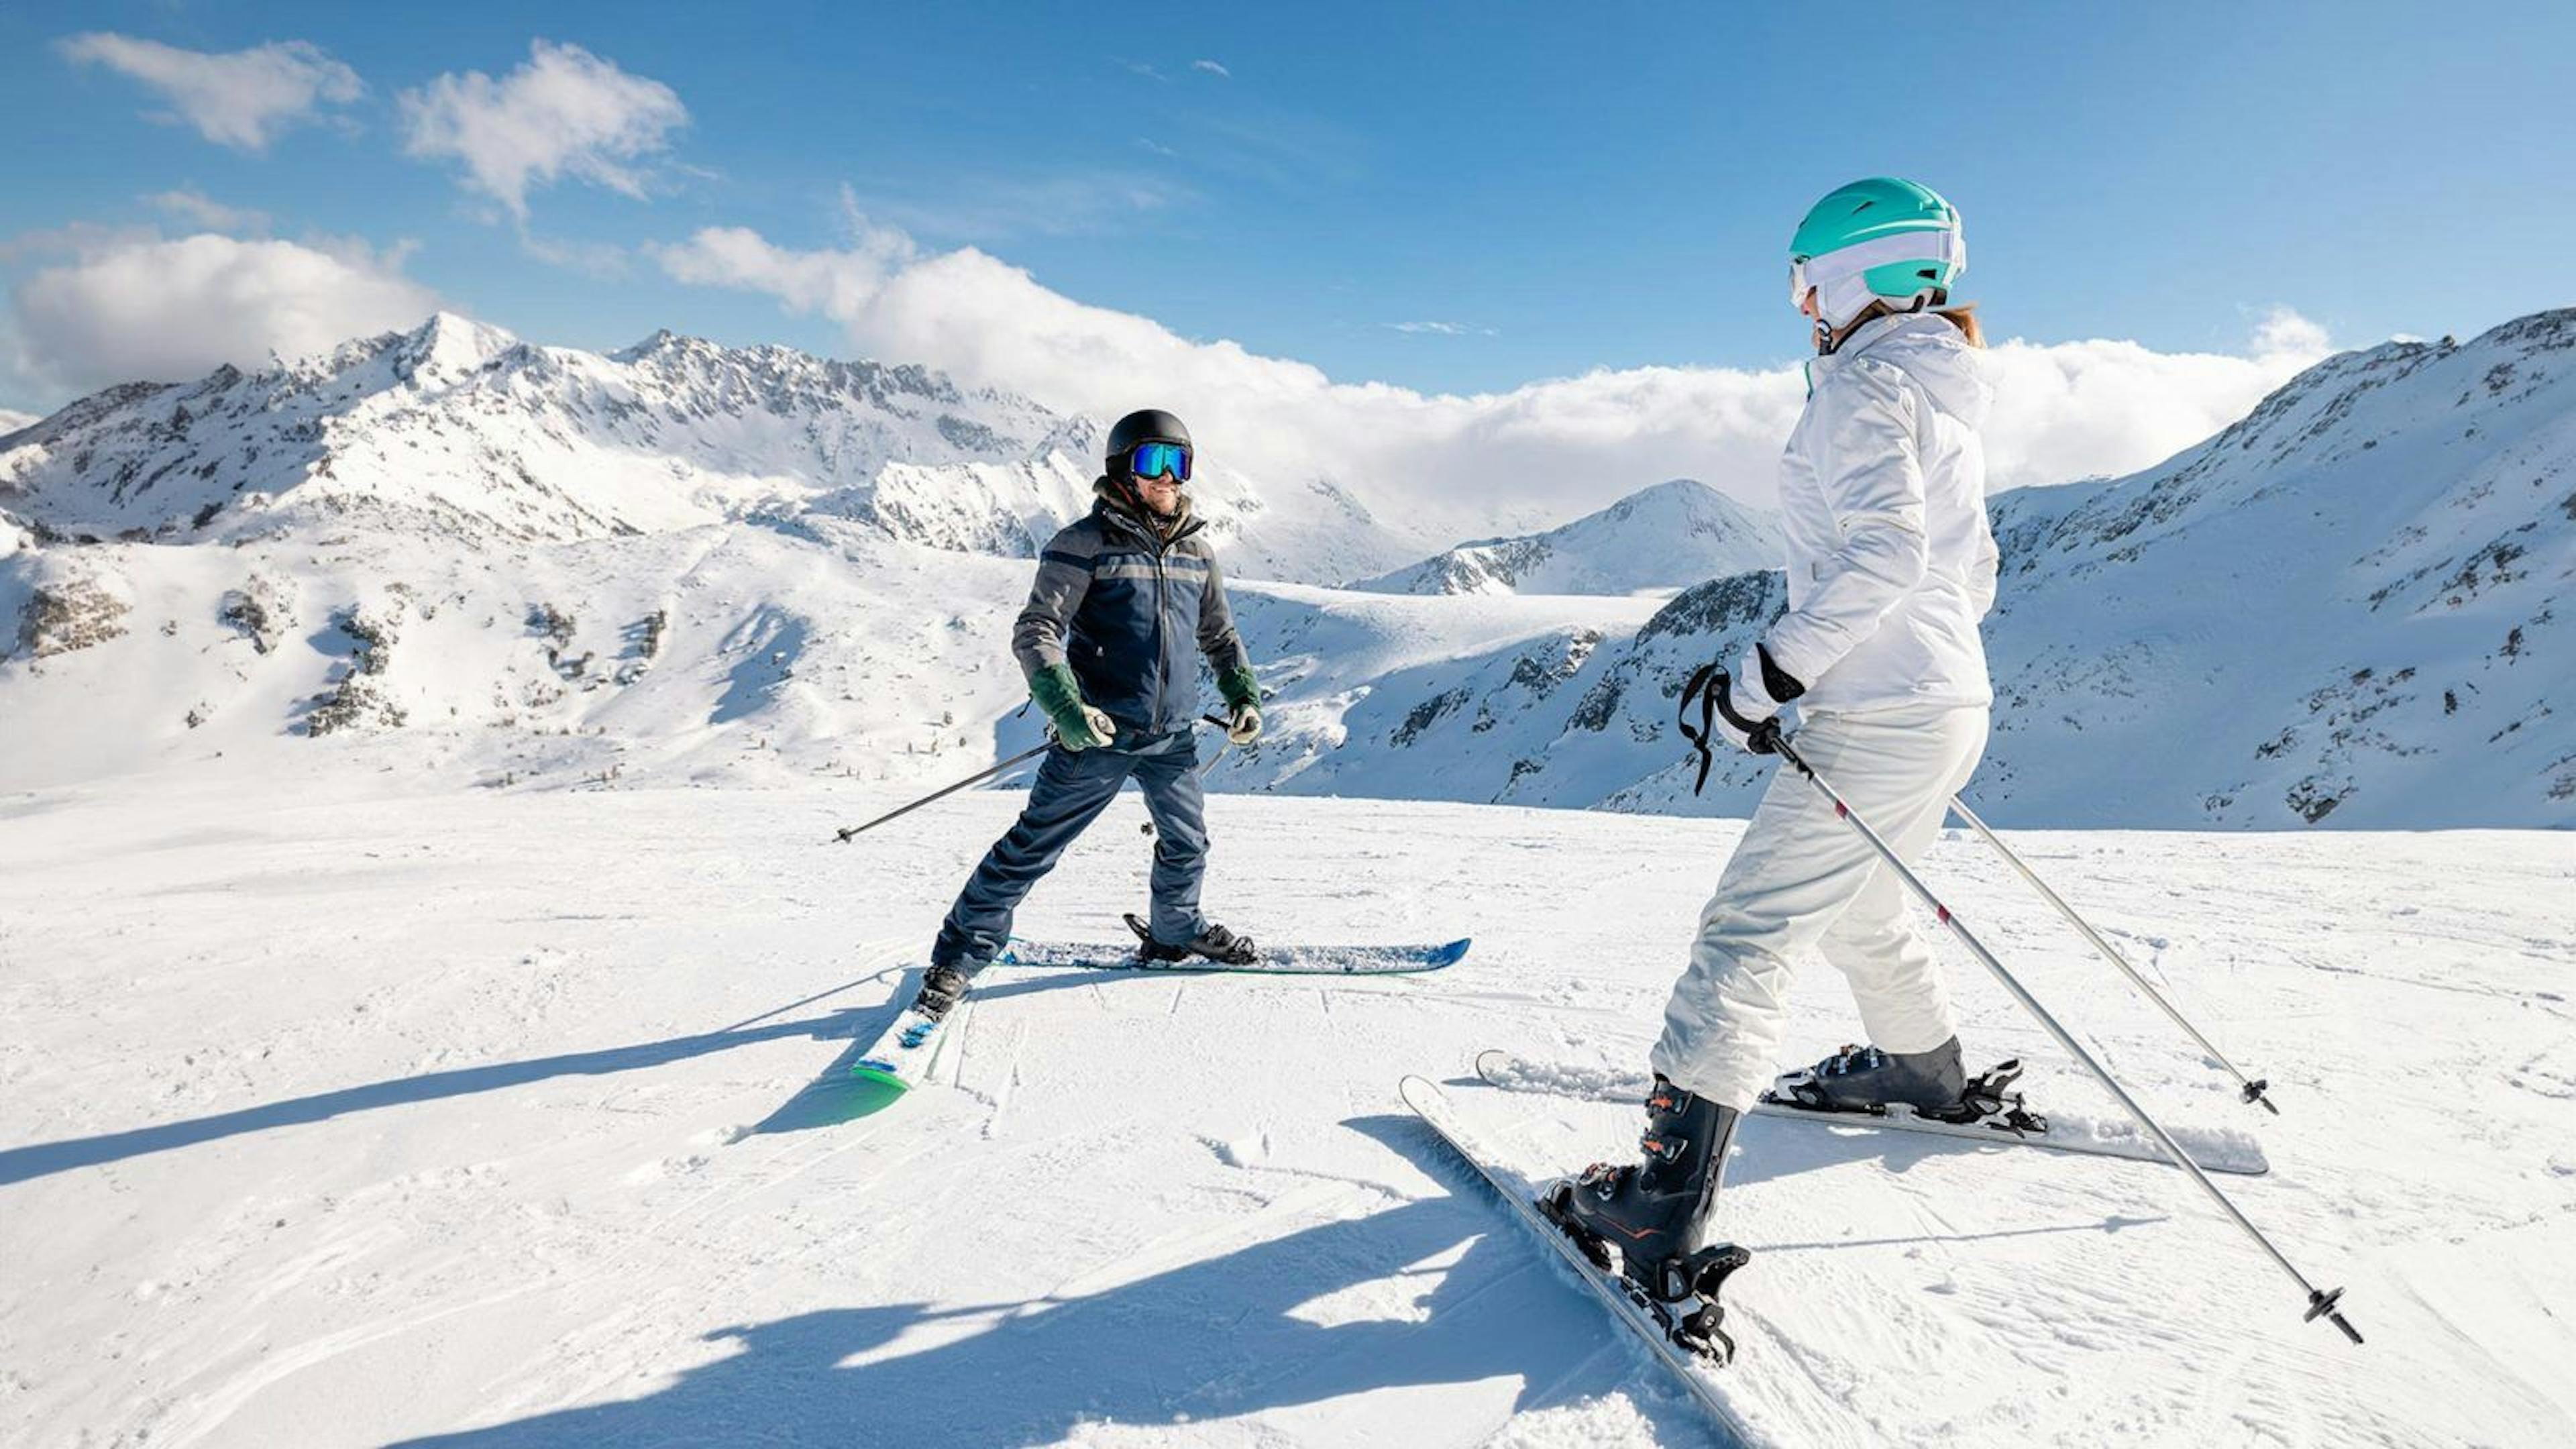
<point x="1121" y="598"/>
<point x="1891" y="566"/>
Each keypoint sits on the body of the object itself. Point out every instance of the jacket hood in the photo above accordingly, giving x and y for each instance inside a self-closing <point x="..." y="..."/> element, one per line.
<point x="1932" y="352"/>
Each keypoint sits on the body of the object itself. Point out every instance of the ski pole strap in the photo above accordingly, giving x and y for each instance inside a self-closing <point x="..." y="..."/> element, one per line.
<point x="1702" y="689"/>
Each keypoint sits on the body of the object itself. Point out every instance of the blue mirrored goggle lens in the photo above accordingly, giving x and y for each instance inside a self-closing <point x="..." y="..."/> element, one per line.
<point x="1159" y="460"/>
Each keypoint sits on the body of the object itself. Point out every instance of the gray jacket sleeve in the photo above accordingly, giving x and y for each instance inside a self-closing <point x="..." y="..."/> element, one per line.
<point x="1064" y="576"/>
<point x="1217" y="639"/>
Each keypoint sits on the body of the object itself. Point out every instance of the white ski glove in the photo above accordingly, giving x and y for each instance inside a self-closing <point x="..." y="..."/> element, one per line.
<point x="1752" y="697"/>
<point x="1743" y="708"/>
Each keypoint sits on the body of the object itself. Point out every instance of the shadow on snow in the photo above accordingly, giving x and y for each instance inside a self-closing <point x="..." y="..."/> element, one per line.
<point x="43" y="1159"/>
<point x="1216" y="1338"/>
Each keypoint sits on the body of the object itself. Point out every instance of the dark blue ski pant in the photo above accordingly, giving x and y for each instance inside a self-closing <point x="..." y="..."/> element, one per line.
<point x="1072" y="788"/>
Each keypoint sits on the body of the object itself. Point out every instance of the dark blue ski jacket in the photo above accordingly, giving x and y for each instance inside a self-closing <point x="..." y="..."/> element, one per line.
<point x="1127" y="608"/>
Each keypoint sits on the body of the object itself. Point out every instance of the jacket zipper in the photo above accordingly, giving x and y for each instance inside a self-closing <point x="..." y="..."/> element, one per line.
<point x="1161" y="669"/>
<point x="1154" y="539"/>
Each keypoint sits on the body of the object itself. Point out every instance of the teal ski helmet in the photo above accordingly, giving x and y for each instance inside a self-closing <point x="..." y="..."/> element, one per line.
<point x="1879" y="240"/>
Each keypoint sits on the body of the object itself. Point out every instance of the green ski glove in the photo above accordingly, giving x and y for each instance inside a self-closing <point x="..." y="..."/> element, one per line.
<point x="1242" y="704"/>
<point x="1077" y="725"/>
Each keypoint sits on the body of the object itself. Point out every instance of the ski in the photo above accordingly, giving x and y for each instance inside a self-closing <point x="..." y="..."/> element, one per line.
<point x="901" y="1055"/>
<point x="2214" y="1149"/>
<point x="1660" y="1327"/>
<point x="1275" y="960"/>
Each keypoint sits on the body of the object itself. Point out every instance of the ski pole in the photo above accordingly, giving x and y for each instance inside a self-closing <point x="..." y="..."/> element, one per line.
<point x="1222" y="742"/>
<point x="1028" y="754"/>
<point x="2322" y="1303"/>
<point x="1202" y="771"/>
<point x="2253" y="1087"/>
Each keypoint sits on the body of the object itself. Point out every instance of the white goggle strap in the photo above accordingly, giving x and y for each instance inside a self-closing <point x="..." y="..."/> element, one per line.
<point x="1947" y="246"/>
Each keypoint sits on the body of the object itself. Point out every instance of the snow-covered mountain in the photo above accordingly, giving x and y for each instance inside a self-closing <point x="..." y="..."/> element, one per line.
<point x="2348" y="606"/>
<point x="462" y="430"/>
<point x="1660" y="540"/>
<point x="2344" y="609"/>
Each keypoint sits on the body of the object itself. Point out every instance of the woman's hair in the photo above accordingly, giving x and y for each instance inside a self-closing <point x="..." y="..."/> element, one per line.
<point x="1964" y="317"/>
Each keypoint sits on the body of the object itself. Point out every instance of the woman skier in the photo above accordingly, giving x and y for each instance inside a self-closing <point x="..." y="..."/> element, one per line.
<point x="1891" y="565"/>
<point x="1125" y="600"/>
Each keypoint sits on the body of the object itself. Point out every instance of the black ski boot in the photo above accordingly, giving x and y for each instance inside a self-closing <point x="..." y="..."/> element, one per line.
<point x="942" y="987"/>
<point x="1865" y="1079"/>
<point x="1216" y="943"/>
<point x="1651" y="1213"/>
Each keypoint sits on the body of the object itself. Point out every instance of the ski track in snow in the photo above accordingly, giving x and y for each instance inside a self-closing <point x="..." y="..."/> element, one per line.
<point x="378" y="1112"/>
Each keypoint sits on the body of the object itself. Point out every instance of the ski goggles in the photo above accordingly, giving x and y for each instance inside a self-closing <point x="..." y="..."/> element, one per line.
<point x="1946" y="250"/>
<point x="1160" y="460"/>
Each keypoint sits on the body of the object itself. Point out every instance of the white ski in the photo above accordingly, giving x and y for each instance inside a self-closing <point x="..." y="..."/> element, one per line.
<point x="901" y="1055"/>
<point x="1651" y="1322"/>
<point x="2215" y="1149"/>
<point x="1275" y="960"/>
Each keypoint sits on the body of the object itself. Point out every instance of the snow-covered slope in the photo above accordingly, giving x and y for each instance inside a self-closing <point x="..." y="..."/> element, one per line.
<point x="374" y="1112"/>
<point x="2349" y="606"/>
<point x="459" y="429"/>
<point x="1657" y="540"/>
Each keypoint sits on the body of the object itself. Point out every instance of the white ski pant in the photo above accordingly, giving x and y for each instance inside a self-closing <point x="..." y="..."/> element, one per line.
<point x="1803" y="878"/>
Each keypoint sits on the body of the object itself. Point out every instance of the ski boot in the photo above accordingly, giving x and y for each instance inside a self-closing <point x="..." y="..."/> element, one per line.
<point x="942" y="987"/>
<point x="1216" y="943"/>
<point x="1865" y="1079"/>
<point x="1933" y="1085"/>
<point x="1639" y="1221"/>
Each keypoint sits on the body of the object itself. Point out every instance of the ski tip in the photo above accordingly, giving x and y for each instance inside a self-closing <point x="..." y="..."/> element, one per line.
<point x="1415" y="1090"/>
<point x="881" y="1073"/>
<point x="1490" y="1064"/>
<point x="1451" y="954"/>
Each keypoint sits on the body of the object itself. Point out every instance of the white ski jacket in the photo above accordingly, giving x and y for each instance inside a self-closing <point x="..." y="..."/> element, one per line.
<point x="1883" y="492"/>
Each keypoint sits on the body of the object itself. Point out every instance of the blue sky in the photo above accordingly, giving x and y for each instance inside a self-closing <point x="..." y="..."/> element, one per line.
<point x="1454" y="199"/>
<point x="1572" y="191"/>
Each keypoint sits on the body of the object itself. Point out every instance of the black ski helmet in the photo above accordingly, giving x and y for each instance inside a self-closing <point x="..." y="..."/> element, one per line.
<point x="1153" y="425"/>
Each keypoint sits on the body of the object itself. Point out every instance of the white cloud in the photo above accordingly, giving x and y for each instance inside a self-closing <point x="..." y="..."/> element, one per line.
<point x="205" y="211"/>
<point x="565" y="113"/>
<point x="156" y="310"/>
<point x="242" y="99"/>
<point x="1212" y="68"/>
<point x="1440" y="329"/>
<point x="2286" y="337"/>
<point x="1542" y="452"/>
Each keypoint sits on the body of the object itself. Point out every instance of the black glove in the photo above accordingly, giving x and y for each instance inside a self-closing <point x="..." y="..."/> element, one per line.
<point x="1743" y="708"/>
